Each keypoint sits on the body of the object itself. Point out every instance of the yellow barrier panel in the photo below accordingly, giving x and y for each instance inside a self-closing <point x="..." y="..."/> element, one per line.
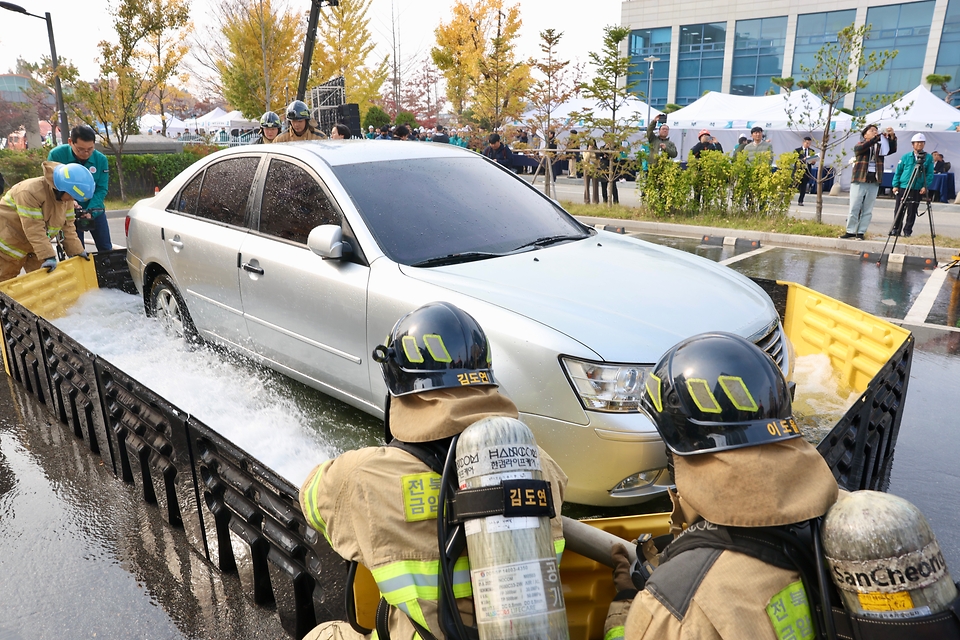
<point x="857" y="343"/>
<point x="587" y="584"/>
<point x="49" y="295"/>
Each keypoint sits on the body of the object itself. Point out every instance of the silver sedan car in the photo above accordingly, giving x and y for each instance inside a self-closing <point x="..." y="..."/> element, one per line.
<point x="303" y="256"/>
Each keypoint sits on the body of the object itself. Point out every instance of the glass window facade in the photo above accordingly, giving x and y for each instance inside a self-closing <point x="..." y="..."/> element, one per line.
<point x="645" y="43"/>
<point x="700" y="60"/>
<point x="757" y="55"/>
<point x="948" y="59"/>
<point x="901" y="27"/>
<point x="815" y="30"/>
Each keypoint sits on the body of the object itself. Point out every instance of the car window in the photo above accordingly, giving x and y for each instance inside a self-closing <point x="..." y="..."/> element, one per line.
<point x="422" y="209"/>
<point x="226" y="188"/>
<point x="186" y="200"/>
<point x="293" y="203"/>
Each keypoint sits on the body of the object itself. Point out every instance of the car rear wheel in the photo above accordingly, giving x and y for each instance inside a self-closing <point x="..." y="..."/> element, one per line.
<point x="167" y="305"/>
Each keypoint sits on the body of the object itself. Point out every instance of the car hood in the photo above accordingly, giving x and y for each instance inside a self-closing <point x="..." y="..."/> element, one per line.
<point x="625" y="299"/>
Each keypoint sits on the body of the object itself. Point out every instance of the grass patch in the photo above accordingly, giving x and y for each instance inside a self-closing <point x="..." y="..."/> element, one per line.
<point x="775" y="224"/>
<point x="116" y="204"/>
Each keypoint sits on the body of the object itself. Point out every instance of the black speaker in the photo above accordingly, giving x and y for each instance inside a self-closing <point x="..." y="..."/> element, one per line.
<point x="349" y="114"/>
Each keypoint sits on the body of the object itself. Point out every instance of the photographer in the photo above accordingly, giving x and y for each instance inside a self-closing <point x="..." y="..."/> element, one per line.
<point x="913" y="177"/>
<point x="867" y="175"/>
<point x="661" y="141"/>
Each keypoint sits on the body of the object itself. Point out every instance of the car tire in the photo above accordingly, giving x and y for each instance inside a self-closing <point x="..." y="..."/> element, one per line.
<point x="167" y="305"/>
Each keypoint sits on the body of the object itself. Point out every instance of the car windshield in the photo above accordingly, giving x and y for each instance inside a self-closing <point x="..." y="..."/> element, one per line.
<point x="432" y="211"/>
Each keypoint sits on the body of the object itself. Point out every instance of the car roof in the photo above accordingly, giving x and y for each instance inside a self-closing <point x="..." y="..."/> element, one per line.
<point x="343" y="152"/>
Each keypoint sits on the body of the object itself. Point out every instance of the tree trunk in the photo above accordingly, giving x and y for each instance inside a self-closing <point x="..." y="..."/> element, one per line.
<point x="118" y="154"/>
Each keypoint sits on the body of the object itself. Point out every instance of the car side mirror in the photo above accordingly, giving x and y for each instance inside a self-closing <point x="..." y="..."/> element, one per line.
<point x="326" y="241"/>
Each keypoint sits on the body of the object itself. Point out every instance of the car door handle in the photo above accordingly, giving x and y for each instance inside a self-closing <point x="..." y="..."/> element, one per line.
<point x="176" y="244"/>
<point x="246" y="266"/>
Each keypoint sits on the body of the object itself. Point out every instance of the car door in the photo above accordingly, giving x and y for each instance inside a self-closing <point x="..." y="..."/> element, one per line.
<point x="203" y="244"/>
<point x="302" y="312"/>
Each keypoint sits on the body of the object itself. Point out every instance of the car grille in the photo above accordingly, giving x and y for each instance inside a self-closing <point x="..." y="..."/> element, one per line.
<point x="771" y="341"/>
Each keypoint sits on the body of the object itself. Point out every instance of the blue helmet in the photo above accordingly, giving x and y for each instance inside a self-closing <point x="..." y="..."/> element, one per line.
<point x="75" y="179"/>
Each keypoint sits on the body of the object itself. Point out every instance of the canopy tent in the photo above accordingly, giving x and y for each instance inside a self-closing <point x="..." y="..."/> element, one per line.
<point x="919" y="110"/>
<point x="154" y="123"/>
<point x="793" y="111"/>
<point x="634" y="109"/>
<point x="229" y="121"/>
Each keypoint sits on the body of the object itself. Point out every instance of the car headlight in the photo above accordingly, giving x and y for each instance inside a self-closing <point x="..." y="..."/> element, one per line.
<point x="638" y="481"/>
<point x="606" y="387"/>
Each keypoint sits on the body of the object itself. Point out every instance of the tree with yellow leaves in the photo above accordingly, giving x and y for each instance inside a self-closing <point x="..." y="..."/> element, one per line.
<point x="343" y="48"/>
<point x="253" y="54"/>
<point x="460" y="43"/>
<point x="500" y="81"/>
<point x="167" y="50"/>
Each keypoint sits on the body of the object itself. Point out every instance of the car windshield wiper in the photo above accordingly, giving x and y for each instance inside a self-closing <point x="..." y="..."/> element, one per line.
<point x="548" y="240"/>
<point x="456" y="258"/>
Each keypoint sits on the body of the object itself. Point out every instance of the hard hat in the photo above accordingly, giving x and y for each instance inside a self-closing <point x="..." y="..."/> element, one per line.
<point x="437" y="346"/>
<point x="715" y="392"/>
<point x="703" y="132"/>
<point x="918" y="137"/>
<point x="298" y="110"/>
<point x="270" y="120"/>
<point x="74" y="179"/>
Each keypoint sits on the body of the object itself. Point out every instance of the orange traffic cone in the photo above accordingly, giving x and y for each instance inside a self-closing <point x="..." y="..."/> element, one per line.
<point x="156" y="191"/>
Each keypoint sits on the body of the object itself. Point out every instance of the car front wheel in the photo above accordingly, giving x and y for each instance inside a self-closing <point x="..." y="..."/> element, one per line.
<point x="167" y="305"/>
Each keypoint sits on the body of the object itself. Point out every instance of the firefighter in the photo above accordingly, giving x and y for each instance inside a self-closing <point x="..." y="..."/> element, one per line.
<point x="300" y="127"/>
<point x="35" y="211"/>
<point x="743" y="475"/>
<point x="378" y="505"/>
<point x="269" y="127"/>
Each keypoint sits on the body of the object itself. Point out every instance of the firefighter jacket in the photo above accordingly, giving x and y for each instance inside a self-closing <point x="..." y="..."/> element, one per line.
<point x="31" y="215"/>
<point x="713" y="594"/>
<point x="308" y="134"/>
<point x="378" y="506"/>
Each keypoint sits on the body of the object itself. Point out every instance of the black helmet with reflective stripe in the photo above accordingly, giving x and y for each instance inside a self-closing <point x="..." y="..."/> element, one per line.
<point x="298" y="110"/>
<point x="438" y="346"/>
<point x="270" y="120"/>
<point x="718" y="391"/>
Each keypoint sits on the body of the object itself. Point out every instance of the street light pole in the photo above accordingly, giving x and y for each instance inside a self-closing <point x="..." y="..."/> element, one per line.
<point x="651" y="60"/>
<point x="9" y="6"/>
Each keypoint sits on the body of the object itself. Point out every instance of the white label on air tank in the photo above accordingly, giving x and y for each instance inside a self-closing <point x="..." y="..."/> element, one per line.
<point x="499" y="523"/>
<point x="496" y="459"/>
<point x="517" y="590"/>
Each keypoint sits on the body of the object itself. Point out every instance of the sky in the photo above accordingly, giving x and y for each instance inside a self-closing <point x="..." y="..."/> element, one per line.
<point x="79" y="26"/>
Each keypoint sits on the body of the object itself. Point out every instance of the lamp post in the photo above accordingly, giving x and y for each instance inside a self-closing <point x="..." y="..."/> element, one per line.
<point x="53" y="60"/>
<point x="651" y="60"/>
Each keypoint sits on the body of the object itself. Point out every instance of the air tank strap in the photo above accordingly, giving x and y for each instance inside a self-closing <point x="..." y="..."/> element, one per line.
<point x="510" y="498"/>
<point x="944" y="625"/>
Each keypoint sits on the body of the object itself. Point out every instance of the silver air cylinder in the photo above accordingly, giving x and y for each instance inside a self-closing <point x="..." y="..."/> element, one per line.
<point x="884" y="558"/>
<point x="513" y="566"/>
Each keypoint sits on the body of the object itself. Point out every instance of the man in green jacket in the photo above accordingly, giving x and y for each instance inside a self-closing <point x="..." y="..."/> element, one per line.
<point x="913" y="177"/>
<point x="661" y="140"/>
<point x="80" y="150"/>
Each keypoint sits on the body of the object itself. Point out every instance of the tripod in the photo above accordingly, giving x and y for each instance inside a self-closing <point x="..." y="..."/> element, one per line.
<point x="900" y="211"/>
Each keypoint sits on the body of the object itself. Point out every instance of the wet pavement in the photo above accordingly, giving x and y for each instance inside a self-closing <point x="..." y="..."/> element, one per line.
<point x="101" y="563"/>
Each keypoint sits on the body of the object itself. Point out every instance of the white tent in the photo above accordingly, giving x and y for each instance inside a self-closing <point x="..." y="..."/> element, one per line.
<point x="153" y="122"/>
<point x="777" y="112"/>
<point x="635" y="109"/>
<point x="229" y="121"/>
<point x="919" y="110"/>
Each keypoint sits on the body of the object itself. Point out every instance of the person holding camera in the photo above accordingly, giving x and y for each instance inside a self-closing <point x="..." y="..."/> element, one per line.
<point x="867" y="175"/>
<point x="660" y="142"/>
<point x="913" y="177"/>
<point x="80" y="150"/>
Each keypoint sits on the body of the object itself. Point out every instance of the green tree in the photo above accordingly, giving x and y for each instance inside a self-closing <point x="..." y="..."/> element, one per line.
<point x="941" y="81"/>
<point x="500" y="80"/>
<point x="375" y="117"/>
<point x="167" y="50"/>
<point x="253" y="54"/>
<point x="552" y="87"/>
<point x="118" y="96"/>
<point x="407" y="118"/>
<point x="610" y="91"/>
<point x="840" y="69"/>
<point x="343" y="49"/>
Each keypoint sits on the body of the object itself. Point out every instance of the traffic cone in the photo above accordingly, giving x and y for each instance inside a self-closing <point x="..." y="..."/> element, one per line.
<point x="156" y="191"/>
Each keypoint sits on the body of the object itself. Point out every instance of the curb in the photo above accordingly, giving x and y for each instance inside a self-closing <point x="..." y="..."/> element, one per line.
<point x="768" y="238"/>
